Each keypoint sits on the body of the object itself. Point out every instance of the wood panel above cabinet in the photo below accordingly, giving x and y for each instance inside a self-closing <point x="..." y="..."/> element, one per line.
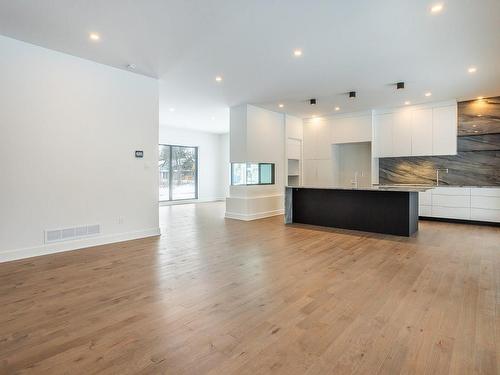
<point x="417" y="131"/>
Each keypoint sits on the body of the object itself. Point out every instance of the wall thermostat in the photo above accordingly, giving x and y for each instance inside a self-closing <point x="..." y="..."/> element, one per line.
<point x="139" y="154"/>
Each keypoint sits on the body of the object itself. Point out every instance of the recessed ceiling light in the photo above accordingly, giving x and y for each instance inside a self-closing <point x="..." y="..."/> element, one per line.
<point x="297" y="52"/>
<point x="94" y="36"/>
<point x="474" y="126"/>
<point x="218" y="78"/>
<point x="281" y="105"/>
<point x="479" y="115"/>
<point x="436" y="8"/>
<point x="480" y="97"/>
<point x="337" y="108"/>
<point x="171" y="109"/>
<point x="407" y="102"/>
<point x="472" y="69"/>
<point x="428" y="94"/>
<point x="476" y="131"/>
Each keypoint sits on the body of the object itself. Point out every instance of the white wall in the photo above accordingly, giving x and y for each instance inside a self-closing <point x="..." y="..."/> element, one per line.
<point x="68" y="131"/>
<point x="257" y="135"/>
<point x="213" y="159"/>
<point x="350" y="158"/>
<point x="225" y="173"/>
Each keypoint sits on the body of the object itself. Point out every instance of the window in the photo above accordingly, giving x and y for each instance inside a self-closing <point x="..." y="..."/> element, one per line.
<point x="178" y="168"/>
<point x="252" y="173"/>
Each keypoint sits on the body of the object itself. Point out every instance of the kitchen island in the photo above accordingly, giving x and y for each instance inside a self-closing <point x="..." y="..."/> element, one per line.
<point x="389" y="210"/>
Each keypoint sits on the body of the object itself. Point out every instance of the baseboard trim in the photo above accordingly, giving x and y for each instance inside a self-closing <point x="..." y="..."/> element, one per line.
<point x="256" y="216"/>
<point x="190" y="201"/>
<point x="460" y="221"/>
<point x="29" y="252"/>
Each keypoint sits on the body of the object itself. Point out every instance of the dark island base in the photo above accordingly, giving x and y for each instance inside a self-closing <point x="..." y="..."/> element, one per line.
<point x="388" y="212"/>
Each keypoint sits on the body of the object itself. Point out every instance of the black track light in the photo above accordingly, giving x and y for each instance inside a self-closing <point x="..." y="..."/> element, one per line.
<point x="312" y="101"/>
<point x="400" y="85"/>
<point x="352" y="94"/>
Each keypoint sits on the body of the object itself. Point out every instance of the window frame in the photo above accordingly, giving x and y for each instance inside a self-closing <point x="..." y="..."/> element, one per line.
<point x="170" y="171"/>
<point x="273" y="174"/>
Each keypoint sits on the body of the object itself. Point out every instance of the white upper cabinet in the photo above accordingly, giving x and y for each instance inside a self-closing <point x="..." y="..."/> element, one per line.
<point x="421" y="132"/>
<point x="351" y="129"/>
<point x="317" y="136"/>
<point x="402" y="140"/>
<point x="293" y="147"/>
<point x="383" y="133"/>
<point x="444" y="130"/>
<point x="416" y="131"/>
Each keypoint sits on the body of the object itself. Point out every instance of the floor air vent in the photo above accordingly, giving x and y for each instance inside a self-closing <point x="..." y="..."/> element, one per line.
<point x="68" y="234"/>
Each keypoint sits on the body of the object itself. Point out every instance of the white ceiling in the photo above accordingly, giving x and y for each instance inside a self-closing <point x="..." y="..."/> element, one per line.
<point x="362" y="45"/>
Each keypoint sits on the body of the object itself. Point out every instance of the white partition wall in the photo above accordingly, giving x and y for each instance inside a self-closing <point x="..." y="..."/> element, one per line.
<point x="69" y="129"/>
<point x="257" y="135"/>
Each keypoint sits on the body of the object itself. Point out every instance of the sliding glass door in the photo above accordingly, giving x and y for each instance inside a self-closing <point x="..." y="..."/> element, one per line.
<point x="178" y="169"/>
<point x="164" y="172"/>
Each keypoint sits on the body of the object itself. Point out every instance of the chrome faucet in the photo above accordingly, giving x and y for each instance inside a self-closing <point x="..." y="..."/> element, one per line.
<point x="437" y="174"/>
<point x="354" y="182"/>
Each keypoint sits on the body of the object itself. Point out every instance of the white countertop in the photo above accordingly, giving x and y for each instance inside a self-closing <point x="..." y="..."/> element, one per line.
<point x="368" y="188"/>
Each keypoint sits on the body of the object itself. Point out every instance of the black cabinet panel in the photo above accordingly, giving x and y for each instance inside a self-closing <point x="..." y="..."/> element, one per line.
<point x="390" y="212"/>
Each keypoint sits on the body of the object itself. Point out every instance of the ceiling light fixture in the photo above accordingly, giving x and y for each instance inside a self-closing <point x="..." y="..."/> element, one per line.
<point x="312" y="101"/>
<point x="281" y="105"/>
<point x="472" y="69"/>
<point x="407" y="102"/>
<point x="428" y="94"/>
<point x="436" y="8"/>
<point x="352" y="94"/>
<point x="480" y="97"/>
<point x="171" y="109"/>
<point x="218" y="78"/>
<point x="94" y="36"/>
<point x="297" y="52"/>
<point x="337" y="108"/>
<point x="400" y="85"/>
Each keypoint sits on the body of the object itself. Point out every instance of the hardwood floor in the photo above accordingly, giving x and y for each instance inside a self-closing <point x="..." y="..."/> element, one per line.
<point x="216" y="296"/>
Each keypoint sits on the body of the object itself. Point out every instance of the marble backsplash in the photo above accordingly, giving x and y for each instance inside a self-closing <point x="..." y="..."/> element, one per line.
<point x="477" y="162"/>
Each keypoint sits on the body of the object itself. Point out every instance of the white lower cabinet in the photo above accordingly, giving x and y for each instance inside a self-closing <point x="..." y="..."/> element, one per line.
<point x="424" y="210"/>
<point x="425" y="198"/>
<point x="479" y="204"/>
<point x="451" y="212"/>
<point x="459" y="201"/>
<point x="481" y="214"/>
<point x="491" y="203"/>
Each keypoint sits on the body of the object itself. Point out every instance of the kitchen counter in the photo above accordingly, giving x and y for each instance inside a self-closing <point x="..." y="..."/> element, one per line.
<point x="371" y="188"/>
<point x="372" y="209"/>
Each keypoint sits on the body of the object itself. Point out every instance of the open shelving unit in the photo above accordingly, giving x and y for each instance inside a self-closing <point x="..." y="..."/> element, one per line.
<point x="294" y="162"/>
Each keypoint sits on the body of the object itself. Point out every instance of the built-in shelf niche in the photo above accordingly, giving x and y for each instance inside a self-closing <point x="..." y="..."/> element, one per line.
<point x="294" y="156"/>
<point x="293" y="180"/>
